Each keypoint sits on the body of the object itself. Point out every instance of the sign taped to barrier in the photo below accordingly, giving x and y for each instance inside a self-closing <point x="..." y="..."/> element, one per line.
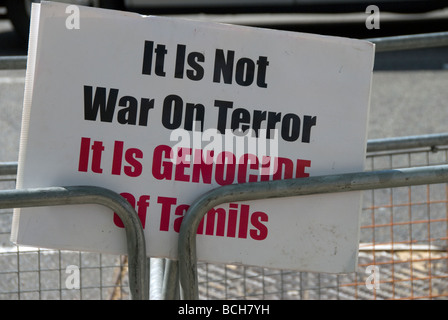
<point x="162" y="110"/>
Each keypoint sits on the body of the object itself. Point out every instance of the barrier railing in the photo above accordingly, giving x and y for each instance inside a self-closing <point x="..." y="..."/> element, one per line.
<point x="286" y="188"/>
<point x="410" y="142"/>
<point x="403" y="234"/>
<point x="407" y="42"/>
<point x="166" y="274"/>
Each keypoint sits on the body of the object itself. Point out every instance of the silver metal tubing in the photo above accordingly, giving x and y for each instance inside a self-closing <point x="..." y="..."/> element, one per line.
<point x="13" y="62"/>
<point x="157" y="271"/>
<point x="53" y="196"/>
<point x="164" y="279"/>
<point x="286" y="188"/>
<point x="171" y="280"/>
<point x="8" y="168"/>
<point x="407" y="42"/>
<point x="408" y="142"/>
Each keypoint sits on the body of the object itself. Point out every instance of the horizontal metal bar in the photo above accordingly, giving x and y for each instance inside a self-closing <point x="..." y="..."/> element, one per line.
<point x="286" y="188"/>
<point x="407" y="42"/>
<point x="13" y="62"/>
<point x="8" y="168"/>
<point x="408" y="142"/>
<point x="401" y="247"/>
<point x="53" y="196"/>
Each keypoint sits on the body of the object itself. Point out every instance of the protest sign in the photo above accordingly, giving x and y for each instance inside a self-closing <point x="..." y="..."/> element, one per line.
<point x="161" y="110"/>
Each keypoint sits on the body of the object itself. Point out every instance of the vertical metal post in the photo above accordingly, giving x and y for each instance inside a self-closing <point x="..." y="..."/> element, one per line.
<point x="157" y="269"/>
<point x="170" y="289"/>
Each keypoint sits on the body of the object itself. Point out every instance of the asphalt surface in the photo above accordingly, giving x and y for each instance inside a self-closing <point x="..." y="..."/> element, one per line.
<point x="409" y="90"/>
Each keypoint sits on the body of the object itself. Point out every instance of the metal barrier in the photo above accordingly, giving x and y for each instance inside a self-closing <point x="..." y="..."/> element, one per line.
<point x="286" y="188"/>
<point x="315" y="185"/>
<point x="166" y="274"/>
<point x="251" y="191"/>
<point x="403" y="234"/>
<point x="138" y="272"/>
<point x="407" y="42"/>
<point x="431" y="141"/>
<point x="13" y="62"/>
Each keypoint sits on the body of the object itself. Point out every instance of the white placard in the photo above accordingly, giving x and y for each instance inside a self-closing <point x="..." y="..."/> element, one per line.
<point x="110" y="98"/>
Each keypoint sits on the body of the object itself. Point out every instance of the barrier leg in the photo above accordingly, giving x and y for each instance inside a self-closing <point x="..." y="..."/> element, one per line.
<point x="164" y="279"/>
<point x="170" y="289"/>
<point x="157" y="269"/>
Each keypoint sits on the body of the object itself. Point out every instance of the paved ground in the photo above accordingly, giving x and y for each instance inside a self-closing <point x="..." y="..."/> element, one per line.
<point x="408" y="103"/>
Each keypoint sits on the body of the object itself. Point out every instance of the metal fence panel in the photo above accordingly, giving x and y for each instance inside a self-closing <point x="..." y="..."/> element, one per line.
<point x="138" y="272"/>
<point x="403" y="238"/>
<point x="35" y="273"/>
